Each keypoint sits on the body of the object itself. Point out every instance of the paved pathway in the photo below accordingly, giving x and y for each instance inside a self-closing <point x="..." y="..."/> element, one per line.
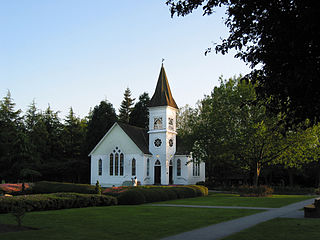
<point x="224" y="229"/>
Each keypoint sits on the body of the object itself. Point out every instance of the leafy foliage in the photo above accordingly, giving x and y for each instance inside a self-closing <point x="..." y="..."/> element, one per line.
<point x="280" y="41"/>
<point x="236" y="136"/>
<point x="101" y="119"/>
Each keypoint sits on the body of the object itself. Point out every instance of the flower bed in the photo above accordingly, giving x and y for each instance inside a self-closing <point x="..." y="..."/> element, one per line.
<point x="11" y="188"/>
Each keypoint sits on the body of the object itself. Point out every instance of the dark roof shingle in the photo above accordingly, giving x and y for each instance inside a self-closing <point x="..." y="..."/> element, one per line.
<point x="162" y="95"/>
<point x="138" y="135"/>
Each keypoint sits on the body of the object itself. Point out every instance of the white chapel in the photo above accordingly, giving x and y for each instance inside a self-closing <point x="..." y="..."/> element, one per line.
<point x="152" y="156"/>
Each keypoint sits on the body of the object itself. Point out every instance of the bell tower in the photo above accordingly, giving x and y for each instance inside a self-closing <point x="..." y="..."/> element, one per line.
<point x="162" y="129"/>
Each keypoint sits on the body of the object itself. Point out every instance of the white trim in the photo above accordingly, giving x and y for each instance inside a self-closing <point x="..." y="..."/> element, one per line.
<point x="102" y="139"/>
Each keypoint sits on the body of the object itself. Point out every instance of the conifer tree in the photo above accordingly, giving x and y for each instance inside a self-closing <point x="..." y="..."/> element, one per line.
<point x="126" y="106"/>
<point x="140" y="115"/>
<point x="12" y="139"/>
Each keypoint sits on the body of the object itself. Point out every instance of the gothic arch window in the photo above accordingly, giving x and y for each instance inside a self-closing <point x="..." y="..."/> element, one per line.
<point x="111" y="164"/>
<point x="170" y="163"/>
<point x="196" y="169"/>
<point x="133" y="167"/>
<point x="148" y="167"/>
<point x="100" y="167"/>
<point x="157" y="163"/>
<point x="116" y="164"/>
<point x="121" y="164"/>
<point x="157" y="123"/>
<point x="170" y="121"/>
<point x="178" y="167"/>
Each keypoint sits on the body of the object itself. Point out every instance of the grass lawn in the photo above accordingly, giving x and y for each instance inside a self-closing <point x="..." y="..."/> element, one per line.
<point x="220" y="199"/>
<point x="281" y="228"/>
<point x="117" y="222"/>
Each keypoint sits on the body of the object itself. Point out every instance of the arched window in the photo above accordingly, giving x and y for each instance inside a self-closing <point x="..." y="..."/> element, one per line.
<point x="157" y="163"/>
<point x="111" y="164"/>
<point x="178" y="167"/>
<point x="133" y="167"/>
<point x="196" y="169"/>
<point x="100" y="167"/>
<point x="121" y="164"/>
<point x="148" y="167"/>
<point x="116" y="165"/>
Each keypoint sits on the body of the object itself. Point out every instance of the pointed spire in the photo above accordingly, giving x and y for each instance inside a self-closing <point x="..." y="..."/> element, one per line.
<point x="162" y="95"/>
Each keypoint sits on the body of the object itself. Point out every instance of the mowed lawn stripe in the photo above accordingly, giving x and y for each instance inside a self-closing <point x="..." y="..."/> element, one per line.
<point x="222" y="199"/>
<point x="118" y="222"/>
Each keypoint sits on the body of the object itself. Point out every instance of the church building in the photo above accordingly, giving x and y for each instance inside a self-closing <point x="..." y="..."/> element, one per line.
<point x="152" y="156"/>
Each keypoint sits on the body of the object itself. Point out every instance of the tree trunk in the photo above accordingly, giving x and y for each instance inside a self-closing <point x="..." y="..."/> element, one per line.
<point x="290" y="177"/>
<point x="257" y="174"/>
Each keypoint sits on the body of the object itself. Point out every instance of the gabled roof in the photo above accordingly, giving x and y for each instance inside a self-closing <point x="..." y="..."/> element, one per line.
<point x="138" y="135"/>
<point x="162" y="95"/>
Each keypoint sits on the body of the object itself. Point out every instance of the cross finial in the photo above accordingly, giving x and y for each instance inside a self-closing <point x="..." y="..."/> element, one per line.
<point x="162" y="61"/>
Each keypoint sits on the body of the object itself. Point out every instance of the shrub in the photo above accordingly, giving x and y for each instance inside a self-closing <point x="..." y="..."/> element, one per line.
<point x="98" y="188"/>
<point x="254" y="191"/>
<point x="148" y="194"/>
<point x="296" y="190"/>
<point x="201" y="190"/>
<point x="131" y="197"/>
<point x="54" y="201"/>
<point x="54" y="187"/>
<point x="184" y="192"/>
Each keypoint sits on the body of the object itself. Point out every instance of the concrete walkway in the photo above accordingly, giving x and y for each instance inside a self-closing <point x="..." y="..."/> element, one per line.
<point x="224" y="229"/>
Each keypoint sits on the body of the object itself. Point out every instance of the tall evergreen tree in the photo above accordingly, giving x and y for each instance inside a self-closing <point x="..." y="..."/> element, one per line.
<point x="102" y="118"/>
<point x="12" y="140"/>
<point x="76" y="163"/>
<point x="35" y="132"/>
<point x="140" y="115"/>
<point x="53" y="163"/>
<point x="126" y="106"/>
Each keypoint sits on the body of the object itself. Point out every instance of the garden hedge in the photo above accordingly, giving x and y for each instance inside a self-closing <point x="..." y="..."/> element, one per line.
<point x="254" y="191"/>
<point x="54" y="201"/>
<point x="54" y="187"/>
<point x="149" y="194"/>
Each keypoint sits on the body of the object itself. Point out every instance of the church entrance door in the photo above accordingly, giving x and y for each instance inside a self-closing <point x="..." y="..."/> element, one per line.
<point x="170" y="175"/>
<point x="157" y="175"/>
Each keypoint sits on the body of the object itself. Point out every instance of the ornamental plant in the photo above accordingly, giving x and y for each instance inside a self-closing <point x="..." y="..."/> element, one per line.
<point x="98" y="188"/>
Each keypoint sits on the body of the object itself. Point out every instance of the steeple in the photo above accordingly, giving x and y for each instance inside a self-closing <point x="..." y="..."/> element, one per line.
<point x="162" y="95"/>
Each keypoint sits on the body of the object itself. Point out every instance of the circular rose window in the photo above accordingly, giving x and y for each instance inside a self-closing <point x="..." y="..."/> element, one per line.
<point x="157" y="142"/>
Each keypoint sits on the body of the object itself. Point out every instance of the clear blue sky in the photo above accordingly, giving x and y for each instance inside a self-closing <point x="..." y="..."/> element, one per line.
<point x="76" y="53"/>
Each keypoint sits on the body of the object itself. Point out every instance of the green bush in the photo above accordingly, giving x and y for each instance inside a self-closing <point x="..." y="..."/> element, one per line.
<point x="54" y="201"/>
<point x="295" y="190"/>
<point x="54" y="187"/>
<point x="185" y="192"/>
<point x="254" y="191"/>
<point x="131" y="197"/>
<point x="148" y="194"/>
